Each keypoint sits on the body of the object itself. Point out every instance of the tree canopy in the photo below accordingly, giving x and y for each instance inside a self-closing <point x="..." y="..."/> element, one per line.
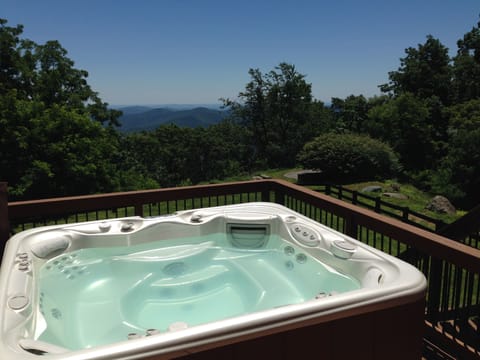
<point x="424" y="72"/>
<point x="277" y="108"/>
<point x="52" y="141"/>
<point x="466" y="70"/>
<point x="347" y="158"/>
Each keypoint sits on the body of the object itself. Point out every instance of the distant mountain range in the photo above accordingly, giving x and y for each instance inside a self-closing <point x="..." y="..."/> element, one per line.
<point x="140" y="118"/>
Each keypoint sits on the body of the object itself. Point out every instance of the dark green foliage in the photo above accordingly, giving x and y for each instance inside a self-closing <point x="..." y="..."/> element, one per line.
<point x="52" y="139"/>
<point x="458" y="177"/>
<point x="347" y="158"/>
<point x="458" y="174"/>
<point x="278" y="110"/>
<point x="402" y="123"/>
<point x="53" y="151"/>
<point x="172" y="155"/>
<point x="350" y="114"/>
<point x="424" y="72"/>
<point x="466" y="73"/>
<point x="10" y="78"/>
<point x="432" y="118"/>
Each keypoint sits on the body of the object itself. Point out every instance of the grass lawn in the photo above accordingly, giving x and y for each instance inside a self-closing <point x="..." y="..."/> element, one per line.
<point x="416" y="199"/>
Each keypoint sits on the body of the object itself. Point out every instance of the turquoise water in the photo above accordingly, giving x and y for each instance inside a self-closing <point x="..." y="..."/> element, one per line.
<point x="98" y="296"/>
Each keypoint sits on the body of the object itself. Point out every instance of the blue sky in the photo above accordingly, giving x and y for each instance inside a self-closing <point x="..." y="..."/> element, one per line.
<point x="196" y="51"/>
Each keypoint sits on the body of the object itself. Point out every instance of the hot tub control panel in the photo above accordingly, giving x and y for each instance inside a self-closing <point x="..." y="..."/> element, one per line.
<point x="304" y="234"/>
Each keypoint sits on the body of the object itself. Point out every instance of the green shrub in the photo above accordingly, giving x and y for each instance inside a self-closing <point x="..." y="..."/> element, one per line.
<point x="458" y="174"/>
<point x="347" y="158"/>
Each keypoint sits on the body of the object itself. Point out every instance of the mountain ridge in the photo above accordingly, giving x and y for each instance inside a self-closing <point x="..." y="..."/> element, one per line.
<point x="143" y="118"/>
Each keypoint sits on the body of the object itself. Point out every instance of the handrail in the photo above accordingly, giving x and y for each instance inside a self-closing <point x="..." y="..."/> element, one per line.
<point x="17" y="211"/>
<point x="464" y="226"/>
<point x="428" y="242"/>
<point x="65" y="205"/>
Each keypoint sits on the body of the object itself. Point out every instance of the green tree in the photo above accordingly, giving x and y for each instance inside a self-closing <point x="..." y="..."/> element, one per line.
<point x="171" y="155"/>
<point x="226" y="151"/>
<point x="52" y="137"/>
<point x="322" y="118"/>
<point x="54" y="151"/>
<point x="403" y="123"/>
<point x="351" y="114"/>
<point x="463" y="116"/>
<point x="138" y="154"/>
<point x="44" y="73"/>
<point x="10" y="58"/>
<point x="466" y="67"/>
<point x="276" y="108"/>
<point x="458" y="174"/>
<point x="424" y="72"/>
<point x="347" y="158"/>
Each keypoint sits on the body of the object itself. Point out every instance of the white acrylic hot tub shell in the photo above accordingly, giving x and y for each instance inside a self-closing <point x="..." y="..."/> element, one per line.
<point x="384" y="280"/>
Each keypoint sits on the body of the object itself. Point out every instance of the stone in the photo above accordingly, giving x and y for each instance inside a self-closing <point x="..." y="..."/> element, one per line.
<point x="440" y="205"/>
<point x="310" y="177"/>
<point x="294" y="174"/>
<point x="395" y="195"/>
<point x="395" y="187"/>
<point x="372" y="188"/>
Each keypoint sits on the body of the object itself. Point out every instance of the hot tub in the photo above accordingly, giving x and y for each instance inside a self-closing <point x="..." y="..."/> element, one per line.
<point x="210" y="282"/>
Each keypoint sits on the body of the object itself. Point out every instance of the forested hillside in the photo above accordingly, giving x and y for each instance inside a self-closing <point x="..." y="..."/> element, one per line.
<point x="140" y="118"/>
<point x="57" y="137"/>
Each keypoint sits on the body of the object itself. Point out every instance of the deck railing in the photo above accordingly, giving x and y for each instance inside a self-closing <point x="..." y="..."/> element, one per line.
<point x="452" y="268"/>
<point x="465" y="229"/>
<point x="377" y="204"/>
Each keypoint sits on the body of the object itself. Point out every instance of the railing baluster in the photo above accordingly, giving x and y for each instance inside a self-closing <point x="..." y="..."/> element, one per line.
<point x="4" y="218"/>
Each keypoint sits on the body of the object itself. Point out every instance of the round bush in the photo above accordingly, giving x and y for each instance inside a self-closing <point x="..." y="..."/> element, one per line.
<point x="347" y="158"/>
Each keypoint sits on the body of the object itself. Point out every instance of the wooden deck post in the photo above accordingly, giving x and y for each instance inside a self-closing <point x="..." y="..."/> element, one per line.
<point x="351" y="227"/>
<point x="4" y="221"/>
<point x="279" y="197"/>
<point x="138" y="210"/>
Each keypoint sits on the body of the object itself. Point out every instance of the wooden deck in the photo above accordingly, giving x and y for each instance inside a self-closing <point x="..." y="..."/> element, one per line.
<point x="451" y="267"/>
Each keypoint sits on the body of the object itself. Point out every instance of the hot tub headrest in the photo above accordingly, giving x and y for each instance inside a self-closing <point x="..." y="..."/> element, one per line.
<point x="46" y="243"/>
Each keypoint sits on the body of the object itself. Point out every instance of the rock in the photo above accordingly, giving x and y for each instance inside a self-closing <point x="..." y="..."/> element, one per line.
<point x="261" y="177"/>
<point x="310" y="177"/>
<point x="441" y="205"/>
<point x="294" y="174"/>
<point x="395" y="195"/>
<point x="395" y="187"/>
<point x="372" y="188"/>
